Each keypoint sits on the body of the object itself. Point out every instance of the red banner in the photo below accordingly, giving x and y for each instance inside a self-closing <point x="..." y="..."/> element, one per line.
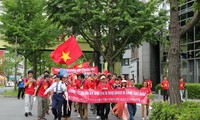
<point x="108" y="96"/>
<point x="88" y="70"/>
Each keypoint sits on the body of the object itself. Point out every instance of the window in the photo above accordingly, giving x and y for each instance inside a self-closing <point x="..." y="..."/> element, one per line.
<point x="197" y="54"/>
<point x="190" y="46"/>
<point x="190" y="54"/>
<point x="190" y="36"/>
<point x="197" y="32"/>
<point x="125" y="62"/>
<point x="190" y="14"/>
<point x="197" y="45"/>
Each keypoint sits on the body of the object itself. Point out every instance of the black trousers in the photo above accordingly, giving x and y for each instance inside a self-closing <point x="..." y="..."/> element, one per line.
<point x="98" y="109"/>
<point x="20" y="92"/>
<point x="104" y="110"/>
<point x="66" y="111"/>
<point x="165" y="95"/>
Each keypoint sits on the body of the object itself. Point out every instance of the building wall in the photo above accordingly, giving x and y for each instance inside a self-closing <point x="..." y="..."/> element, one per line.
<point x="144" y="61"/>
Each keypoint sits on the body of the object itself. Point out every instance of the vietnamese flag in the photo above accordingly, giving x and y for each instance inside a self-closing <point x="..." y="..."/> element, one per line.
<point x="83" y="65"/>
<point x="67" y="52"/>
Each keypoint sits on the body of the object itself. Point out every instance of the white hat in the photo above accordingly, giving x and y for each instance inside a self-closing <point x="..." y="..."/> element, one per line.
<point x="102" y="77"/>
<point x="65" y="75"/>
<point x="123" y="81"/>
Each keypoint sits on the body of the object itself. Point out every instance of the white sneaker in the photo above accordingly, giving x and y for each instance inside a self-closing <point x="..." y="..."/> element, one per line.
<point x="142" y="118"/>
<point x="147" y="117"/>
<point x="98" y="117"/>
<point x="78" y="116"/>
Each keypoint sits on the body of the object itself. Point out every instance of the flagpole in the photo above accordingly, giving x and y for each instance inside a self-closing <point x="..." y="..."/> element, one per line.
<point x="84" y="57"/>
<point x="87" y="60"/>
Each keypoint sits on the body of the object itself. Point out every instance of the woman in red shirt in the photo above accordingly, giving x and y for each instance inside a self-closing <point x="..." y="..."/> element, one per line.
<point x="120" y="109"/>
<point x="148" y="90"/>
<point x="182" y="86"/>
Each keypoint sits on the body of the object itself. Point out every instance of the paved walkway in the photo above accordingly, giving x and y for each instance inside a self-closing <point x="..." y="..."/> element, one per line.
<point x="13" y="109"/>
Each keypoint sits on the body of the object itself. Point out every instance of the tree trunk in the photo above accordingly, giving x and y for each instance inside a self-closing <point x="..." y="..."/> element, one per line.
<point x="25" y="65"/>
<point x="173" y="54"/>
<point x="97" y="60"/>
<point x="111" y="66"/>
<point x="34" y="65"/>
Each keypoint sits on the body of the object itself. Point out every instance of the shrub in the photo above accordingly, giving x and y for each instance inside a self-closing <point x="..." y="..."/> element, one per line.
<point x="193" y="90"/>
<point x="138" y="85"/>
<point x="185" y="111"/>
<point x="158" y="87"/>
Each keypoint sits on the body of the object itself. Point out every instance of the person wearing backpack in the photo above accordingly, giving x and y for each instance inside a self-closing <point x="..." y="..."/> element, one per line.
<point x="42" y="85"/>
<point x="20" y="86"/>
<point x="29" y="85"/>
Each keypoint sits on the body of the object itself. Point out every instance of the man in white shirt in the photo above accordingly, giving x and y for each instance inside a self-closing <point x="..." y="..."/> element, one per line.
<point x="57" y="99"/>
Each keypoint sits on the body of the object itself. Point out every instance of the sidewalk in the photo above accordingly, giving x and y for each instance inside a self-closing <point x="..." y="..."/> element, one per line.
<point x="160" y="98"/>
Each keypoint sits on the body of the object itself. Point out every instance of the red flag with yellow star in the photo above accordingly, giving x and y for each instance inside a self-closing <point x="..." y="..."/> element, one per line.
<point x="83" y="65"/>
<point x="67" y="52"/>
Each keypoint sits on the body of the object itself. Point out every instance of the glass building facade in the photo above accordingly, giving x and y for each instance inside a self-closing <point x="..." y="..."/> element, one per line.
<point x="189" y="46"/>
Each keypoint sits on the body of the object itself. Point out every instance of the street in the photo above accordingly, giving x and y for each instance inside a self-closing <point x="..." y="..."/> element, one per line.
<point x="13" y="109"/>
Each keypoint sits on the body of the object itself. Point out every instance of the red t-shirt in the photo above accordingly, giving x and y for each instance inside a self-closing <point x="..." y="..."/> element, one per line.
<point x="42" y="89"/>
<point x="76" y="84"/>
<point x="29" y="89"/>
<point x="165" y="85"/>
<point x="181" y="85"/>
<point x="90" y="84"/>
<point x="111" y="82"/>
<point x="149" y="82"/>
<point x="148" y="91"/>
<point x="103" y="86"/>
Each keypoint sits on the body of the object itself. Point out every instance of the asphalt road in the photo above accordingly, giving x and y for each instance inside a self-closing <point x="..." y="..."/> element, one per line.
<point x="13" y="109"/>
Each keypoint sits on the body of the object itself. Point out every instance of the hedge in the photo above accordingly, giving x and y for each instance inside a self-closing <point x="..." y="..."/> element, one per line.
<point x="185" y="111"/>
<point x="193" y="90"/>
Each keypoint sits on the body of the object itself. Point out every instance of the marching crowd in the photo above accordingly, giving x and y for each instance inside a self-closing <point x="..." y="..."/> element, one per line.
<point x="52" y="90"/>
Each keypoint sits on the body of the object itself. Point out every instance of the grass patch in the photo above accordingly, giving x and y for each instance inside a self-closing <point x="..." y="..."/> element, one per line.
<point x="8" y="93"/>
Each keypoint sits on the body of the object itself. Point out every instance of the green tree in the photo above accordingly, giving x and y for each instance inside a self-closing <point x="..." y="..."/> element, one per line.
<point x="109" y="26"/>
<point x="9" y="63"/>
<point x="25" y="22"/>
<point x="175" y="32"/>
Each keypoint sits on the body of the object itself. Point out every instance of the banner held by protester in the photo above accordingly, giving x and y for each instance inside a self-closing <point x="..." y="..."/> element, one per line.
<point x="108" y="96"/>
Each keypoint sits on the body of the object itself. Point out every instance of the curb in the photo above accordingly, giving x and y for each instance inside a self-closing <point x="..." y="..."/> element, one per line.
<point x="1" y="96"/>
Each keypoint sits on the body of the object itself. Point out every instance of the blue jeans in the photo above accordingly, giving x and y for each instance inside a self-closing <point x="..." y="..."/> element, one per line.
<point x="132" y="110"/>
